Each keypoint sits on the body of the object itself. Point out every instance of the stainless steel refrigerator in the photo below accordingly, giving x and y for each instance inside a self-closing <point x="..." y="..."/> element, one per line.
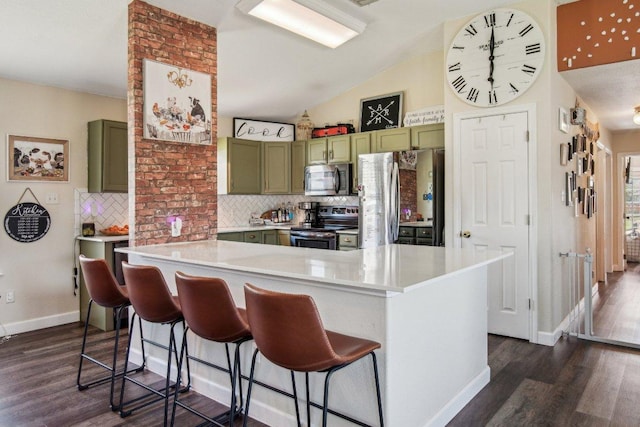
<point x="379" y="191"/>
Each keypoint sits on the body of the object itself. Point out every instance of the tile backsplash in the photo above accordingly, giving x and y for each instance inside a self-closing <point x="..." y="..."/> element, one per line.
<point x="103" y="209"/>
<point x="235" y="211"/>
<point x="106" y="209"/>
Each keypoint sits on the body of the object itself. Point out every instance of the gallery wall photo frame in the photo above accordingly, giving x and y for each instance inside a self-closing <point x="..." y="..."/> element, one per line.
<point x="563" y="120"/>
<point x="177" y="104"/>
<point x="381" y="112"/>
<point x="37" y="159"/>
<point x="262" y="130"/>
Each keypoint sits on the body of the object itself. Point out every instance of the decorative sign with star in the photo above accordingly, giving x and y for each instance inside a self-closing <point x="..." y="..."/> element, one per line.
<point x="381" y="112"/>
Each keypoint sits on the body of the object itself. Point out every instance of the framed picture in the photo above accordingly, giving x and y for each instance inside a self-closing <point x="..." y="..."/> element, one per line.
<point x="381" y="112"/>
<point x="177" y="104"/>
<point x="37" y="159"/>
<point x="564" y="154"/>
<point x="563" y="120"/>
<point x="260" y="130"/>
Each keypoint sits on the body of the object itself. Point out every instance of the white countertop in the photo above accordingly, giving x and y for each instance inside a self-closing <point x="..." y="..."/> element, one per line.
<point x="104" y="239"/>
<point x="353" y="231"/>
<point x="428" y="223"/>
<point x="392" y="268"/>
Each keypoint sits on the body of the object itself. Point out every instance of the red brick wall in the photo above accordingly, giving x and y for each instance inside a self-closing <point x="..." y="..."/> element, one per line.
<point x="408" y="193"/>
<point x="171" y="179"/>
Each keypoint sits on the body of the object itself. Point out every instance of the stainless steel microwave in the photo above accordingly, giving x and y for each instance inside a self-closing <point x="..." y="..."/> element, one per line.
<point x="327" y="180"/>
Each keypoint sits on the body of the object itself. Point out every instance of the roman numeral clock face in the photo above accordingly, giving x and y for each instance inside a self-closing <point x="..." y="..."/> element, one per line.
<point x="495" y="57"/>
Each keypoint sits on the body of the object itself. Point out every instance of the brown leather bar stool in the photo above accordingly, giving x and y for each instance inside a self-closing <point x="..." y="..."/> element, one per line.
<point x="152" y="301"/>
<point x="105" y="291"/>
<point x="211" y="314"/>
<point x="288" y="331"/>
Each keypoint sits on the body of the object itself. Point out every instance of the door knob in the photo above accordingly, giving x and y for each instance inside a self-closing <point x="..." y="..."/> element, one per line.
<point x="465" y="234"/>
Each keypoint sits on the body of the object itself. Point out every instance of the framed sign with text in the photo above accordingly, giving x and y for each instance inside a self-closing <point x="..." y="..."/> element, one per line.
<point x="259" y="130"/>
<point x="381" y="112"/>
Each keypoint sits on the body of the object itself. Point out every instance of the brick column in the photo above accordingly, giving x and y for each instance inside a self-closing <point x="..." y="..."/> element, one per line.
<point x="170" y="179"/>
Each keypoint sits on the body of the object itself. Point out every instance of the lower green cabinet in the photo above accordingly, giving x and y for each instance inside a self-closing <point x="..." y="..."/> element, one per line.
<point x="415" y="236"/>
<point x="267" y="237"/>
<point x="233" y="237"/>
<point x="270" y="237"/>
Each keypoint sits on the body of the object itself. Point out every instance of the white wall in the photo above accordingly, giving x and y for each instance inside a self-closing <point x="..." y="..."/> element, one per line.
<point x="40" y="273"/>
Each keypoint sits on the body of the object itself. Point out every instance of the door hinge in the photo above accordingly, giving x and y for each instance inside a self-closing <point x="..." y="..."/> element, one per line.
<point x="526" y="136"/>
<point x="530" y="303"/>
<point x="528" y="219"/>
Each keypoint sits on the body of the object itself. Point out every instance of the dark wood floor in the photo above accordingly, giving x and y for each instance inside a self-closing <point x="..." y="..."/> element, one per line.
<point x="38" y="384"/>
<point x="575" y="383"/>
<point x="617" y="306"/>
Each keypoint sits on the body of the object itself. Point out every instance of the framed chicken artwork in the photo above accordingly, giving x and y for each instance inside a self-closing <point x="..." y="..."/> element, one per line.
<point x="177" y="104"/>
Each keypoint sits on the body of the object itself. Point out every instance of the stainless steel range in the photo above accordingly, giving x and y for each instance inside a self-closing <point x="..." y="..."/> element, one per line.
<point x="322" y="234"/>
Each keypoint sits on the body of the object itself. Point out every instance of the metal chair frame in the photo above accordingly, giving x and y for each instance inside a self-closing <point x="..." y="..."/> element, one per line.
<point x="113" y="368"/>
<point x="235" y="376"/>
<point x="159" y="393"/>
<point x="325" y="406"/>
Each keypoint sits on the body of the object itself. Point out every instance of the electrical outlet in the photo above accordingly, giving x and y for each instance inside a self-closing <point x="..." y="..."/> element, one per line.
<point x="10" y="297"/>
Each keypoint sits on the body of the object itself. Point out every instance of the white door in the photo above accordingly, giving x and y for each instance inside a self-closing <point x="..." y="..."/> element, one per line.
<point x="495" y="212"/>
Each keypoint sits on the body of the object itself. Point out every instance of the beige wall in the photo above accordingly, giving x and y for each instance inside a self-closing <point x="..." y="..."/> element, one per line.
<point x="420" y="78"/>
<point x="40" y="273"/>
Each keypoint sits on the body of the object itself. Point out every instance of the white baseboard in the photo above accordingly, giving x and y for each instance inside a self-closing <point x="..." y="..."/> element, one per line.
<point x="456" y="404"/>
<point x="41" y="323"/>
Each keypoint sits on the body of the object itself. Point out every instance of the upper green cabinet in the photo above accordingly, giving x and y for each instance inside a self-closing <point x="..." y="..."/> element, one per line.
<point x="428" y="136"/>
<point x="276" y="167"/>
<point x="107" y="157"/>
<point x="360" y="144"/>
<point x="397" y="139"/>
<point x="335" y="149"/>
<point x="239" y="166"/>
<point x="298" y="162"/>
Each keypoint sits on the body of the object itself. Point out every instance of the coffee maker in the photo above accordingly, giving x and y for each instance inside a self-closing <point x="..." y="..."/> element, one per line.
<point x="310" y="214"/>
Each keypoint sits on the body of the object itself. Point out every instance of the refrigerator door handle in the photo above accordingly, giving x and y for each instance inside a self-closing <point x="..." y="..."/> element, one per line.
<point x="394" y="223"/>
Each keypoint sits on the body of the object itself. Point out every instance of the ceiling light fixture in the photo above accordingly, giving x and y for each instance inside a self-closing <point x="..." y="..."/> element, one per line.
<point x="636" y="116"/>
<point x="312" y="19"/>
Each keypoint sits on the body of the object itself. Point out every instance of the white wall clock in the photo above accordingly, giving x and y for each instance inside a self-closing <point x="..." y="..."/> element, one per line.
<point x="495" y="57"/>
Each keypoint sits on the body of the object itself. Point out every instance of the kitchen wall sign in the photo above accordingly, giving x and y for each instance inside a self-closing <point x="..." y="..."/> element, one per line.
<point x="27" y="222"/>
<point x="260" y="130"/>
<point x="177" y="104"/>
<point x="381" y="112"/>
<point x="37" y="159"/>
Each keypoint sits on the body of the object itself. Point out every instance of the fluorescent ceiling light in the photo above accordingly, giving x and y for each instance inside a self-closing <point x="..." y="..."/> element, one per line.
<point x="312" y="19"/>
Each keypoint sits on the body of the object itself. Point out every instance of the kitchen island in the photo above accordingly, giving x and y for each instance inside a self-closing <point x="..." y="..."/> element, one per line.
<point x="427" y="306"/>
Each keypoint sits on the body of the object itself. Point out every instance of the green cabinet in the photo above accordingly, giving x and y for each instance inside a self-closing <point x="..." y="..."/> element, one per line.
<point x="397" y="139"/>
<point x="335" y="149"/>
<point x="270" y="237"/>
<point x="298" y="162"/>
<point x="107" y="157"/>
<point x="276" y="167"/>
<point x="415" y="235"/>
<point x="239" y="166"/>
<point x="360" y="144"/>
<point x="428" y="136"/>
<point x="347" y="242"/>
<point x="253" y="236"/>
<point x="232" y="237"/>
<point x="267" y="237"/>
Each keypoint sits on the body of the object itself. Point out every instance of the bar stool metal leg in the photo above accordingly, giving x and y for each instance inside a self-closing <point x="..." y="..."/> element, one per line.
<point x="113" y="368"/>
